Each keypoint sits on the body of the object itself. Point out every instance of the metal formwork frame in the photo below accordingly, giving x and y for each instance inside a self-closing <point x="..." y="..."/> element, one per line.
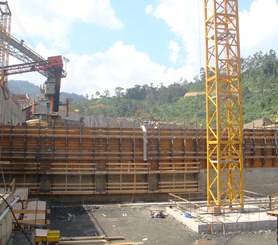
<point x="223" y="104"/>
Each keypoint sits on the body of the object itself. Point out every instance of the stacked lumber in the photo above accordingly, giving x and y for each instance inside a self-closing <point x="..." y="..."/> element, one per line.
<point x="33" y="215"/>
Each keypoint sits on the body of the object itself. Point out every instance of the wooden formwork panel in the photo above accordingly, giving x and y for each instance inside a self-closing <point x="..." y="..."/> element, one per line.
<point x="78" y="160"/>
<point x="116" y="178"/>
<point x="126" y="145"/>
<point x="261" y="147"/>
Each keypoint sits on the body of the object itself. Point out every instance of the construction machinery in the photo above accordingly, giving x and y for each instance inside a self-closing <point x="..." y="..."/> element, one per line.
<point x="52" y="68"/>
<point x="223" y="105"/>
<point x="43" y="119"/>
<point x="5" y="29"/>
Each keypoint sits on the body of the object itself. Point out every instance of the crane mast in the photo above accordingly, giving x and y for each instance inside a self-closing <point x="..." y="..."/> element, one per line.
<point x="223" y="104"/>
<point x="5" y="29"/>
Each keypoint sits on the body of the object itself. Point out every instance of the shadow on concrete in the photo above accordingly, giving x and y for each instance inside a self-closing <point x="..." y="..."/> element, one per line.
<point x="74" y="221"/>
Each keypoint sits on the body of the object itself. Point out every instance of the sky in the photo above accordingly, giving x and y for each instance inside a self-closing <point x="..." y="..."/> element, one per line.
<point x="122" y="43"/>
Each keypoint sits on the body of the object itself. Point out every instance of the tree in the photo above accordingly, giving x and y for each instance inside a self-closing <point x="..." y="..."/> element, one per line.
<point x="107" y="93"/>
<point x="202" y="74"/>
<point x="119" y="91"/>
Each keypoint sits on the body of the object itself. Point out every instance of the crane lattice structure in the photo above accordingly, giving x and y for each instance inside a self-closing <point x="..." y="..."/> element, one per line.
<point x="52" y="68"/>
<point x="5" y="30"/>
<point x="223" y="104"/>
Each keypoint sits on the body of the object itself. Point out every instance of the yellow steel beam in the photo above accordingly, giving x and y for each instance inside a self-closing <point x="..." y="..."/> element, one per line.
<point x="223" y="104"/>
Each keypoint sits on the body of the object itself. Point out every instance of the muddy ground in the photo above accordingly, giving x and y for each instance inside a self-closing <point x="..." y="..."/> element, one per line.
<point x="135" y="224"/>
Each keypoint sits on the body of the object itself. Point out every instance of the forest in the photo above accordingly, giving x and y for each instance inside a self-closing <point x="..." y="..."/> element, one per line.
<point x="170" y="103"/>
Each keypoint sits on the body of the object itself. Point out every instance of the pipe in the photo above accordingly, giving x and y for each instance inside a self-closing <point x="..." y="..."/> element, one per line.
<point x="145" y="142"/>
<point x="8" y="208"/>
<point x="67" y="106"/>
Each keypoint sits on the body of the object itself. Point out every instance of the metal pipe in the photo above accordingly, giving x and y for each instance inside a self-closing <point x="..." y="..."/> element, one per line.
<point x="8" y="208"/>
<point x="145" y="141"/>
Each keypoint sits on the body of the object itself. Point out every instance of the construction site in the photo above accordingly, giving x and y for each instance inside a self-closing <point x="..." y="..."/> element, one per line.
<point x="73" y="182"/>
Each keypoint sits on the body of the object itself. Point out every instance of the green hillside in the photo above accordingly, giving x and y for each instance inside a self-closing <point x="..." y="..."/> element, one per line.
<point x="167" y="103"/>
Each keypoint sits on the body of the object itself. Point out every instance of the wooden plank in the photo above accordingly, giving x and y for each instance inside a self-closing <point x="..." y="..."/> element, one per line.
<point x="25" y="211"/>
<point x="33" y="222"/>
<point x="273" y="213"/>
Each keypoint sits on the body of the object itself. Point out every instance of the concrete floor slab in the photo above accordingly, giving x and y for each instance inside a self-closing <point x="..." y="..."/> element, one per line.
<point x="251" y="219"/>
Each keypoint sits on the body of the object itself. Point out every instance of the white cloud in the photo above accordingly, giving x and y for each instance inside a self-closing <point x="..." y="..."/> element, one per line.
<point x="119" y="66"/>
<point x="149" y="9"/>
<point x="259" y="27"/>
<point x="53" y="20"/>
<point x="185" y="19"/>
<point x="174" y="49"/>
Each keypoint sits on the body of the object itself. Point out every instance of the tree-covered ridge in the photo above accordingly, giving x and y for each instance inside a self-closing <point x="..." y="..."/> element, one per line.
<point x="260" y="86"/>
<point x="167" y="103"/>
<point x="33" y="91"/>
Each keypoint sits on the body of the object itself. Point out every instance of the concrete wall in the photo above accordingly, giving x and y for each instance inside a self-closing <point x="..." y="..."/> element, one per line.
<point x="10" y="112"/>
<point x="260" y="180"/>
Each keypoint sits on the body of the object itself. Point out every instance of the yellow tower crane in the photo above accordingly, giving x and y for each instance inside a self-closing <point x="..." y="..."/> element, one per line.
<point x="223" y="105"/>
<point x="5" y="30"/>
